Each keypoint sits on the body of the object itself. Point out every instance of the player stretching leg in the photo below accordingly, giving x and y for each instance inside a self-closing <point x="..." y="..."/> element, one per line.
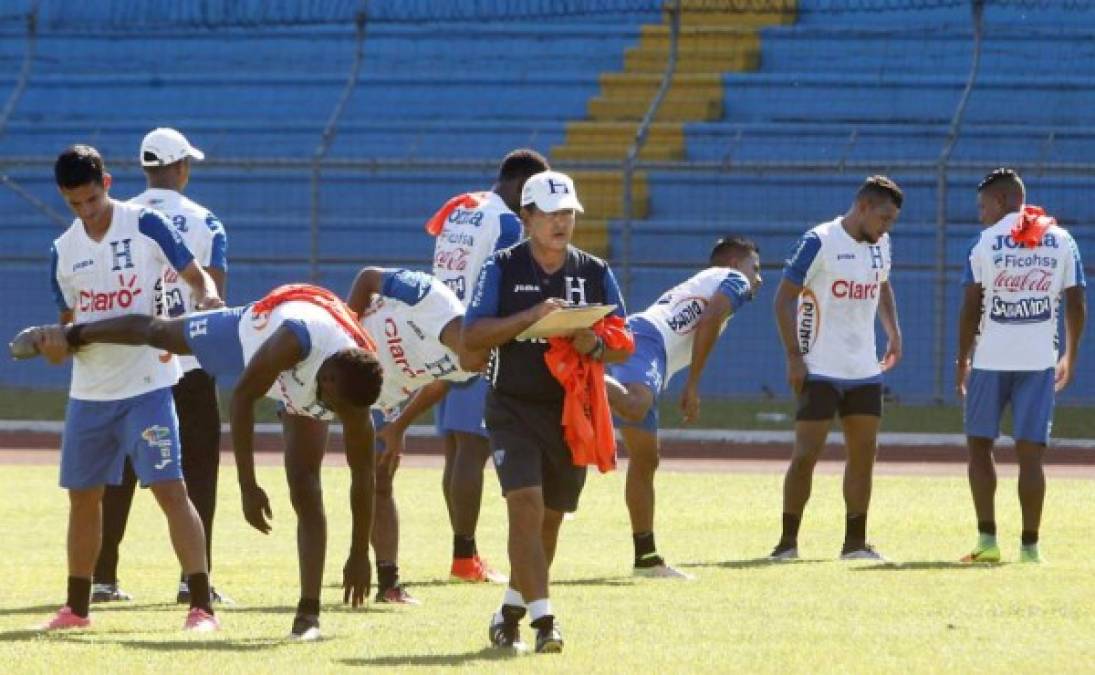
<point x="834" y="284"/>
<point x="108" y="264"/>
<point x="1017" y="270"/>
<point x="676" y="332"/>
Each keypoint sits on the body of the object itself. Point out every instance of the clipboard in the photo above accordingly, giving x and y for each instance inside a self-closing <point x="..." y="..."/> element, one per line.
<point x="562" y="321"/>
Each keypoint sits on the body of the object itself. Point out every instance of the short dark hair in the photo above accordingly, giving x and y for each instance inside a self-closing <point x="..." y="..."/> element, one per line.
<point x="78" y="165"/>
<point x="360" y="375"/>
<point x="520" y="164"/>
<point x="1003" y="177"/>
<point x="734" y="245"/>
<point x="881" y="187"/>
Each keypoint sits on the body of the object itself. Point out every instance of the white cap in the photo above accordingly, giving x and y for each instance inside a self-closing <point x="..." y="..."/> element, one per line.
<point x="551" y="191"/>
<point x="164" y="146"/>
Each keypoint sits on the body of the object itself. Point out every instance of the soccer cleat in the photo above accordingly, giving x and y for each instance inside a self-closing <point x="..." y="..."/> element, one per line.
<point x="982" y="554"/>
<point x="305" y="628"/>
<point x="506" y="634"/>
<point x="549" y="639"/>
<point x="864" y="552"/>
<point x="1030" y="554"/>
<point x="23" y="346"/>
<point x="662" y="571"/>
<point x="65" y="619"/>
<point x="475" y="570"/>
<point x="396" y="595"/>
<point x="200" y="621"/>
<point x="109" y="593"/>
<point x="784" y="551"/>
<point x="183" y="596"/>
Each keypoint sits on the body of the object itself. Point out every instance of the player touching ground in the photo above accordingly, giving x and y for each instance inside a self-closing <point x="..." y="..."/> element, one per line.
<point x="165" y="155"/>
<point x="834" y="284"/>
<point x="678" y="331"/>
<point x="482" y="223"/>
<point x="301" y="346"/>
<point x="1017" y="270"/>
<point x="108" y="264"/>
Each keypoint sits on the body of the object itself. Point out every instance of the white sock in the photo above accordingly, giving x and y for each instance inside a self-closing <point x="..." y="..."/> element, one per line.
<point x="511" y="597"/>
<point x="539" y="608"/>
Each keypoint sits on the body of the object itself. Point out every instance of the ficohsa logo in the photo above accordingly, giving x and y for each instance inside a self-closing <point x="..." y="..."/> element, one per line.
<point x="684" y="314"/>
<point x="808" y="320"/>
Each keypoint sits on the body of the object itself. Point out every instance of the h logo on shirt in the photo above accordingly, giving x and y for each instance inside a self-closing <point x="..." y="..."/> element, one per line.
<point x="576" y="290"/>
<point x="557" y="187"/>
<point x="121" y="251"/>
<point x="876" y="258"/>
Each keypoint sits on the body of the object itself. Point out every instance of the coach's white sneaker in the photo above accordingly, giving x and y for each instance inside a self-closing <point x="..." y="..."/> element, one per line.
<point x="305" y="628"/>
<point x="866" y="552"/>
<point x="662" y="571"/>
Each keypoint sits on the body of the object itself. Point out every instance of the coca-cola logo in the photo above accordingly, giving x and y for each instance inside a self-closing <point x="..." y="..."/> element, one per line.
<point x="104" y="301"/>
<point x="454" y="260"/>
<point x="1036" y="280"/>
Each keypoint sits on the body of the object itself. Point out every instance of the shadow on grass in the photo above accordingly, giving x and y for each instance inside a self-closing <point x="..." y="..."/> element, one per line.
<point x="485" y="654"/>
<point x="751" y="563"/>
<point x="198" y="645"/>
<point x="86" y="636"/>
<point x="290" y="610"/>
<point x="595" y="581"/>
<point x="915" y="565"/>
<point x="45" y="610"/>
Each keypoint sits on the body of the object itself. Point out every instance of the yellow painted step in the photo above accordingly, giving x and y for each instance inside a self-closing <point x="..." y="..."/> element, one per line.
<point x="671" y="110"/>
<point x="591" y="235"/>
<point x="654" y="60"/>
<point x="602" y="192"/>
<point x="687" y="85"/>
<point x="621" y="132"/>
<point x="650" y="151"/>
<point x="710" y="38"/>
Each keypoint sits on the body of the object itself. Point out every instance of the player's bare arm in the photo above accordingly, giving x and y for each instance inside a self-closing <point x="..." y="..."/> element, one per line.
<point x="488" y="332"/>
<point x="887" y="314"/>
<point x="358" y="437"/>
<point x="968" y="318"/>
<point x="368" y="282"/>
<point x="470" y="360"/>
<point x="394" y="432"/>
<point x="716" y="313"/>
<point x="281" y="352"/>
<point x="202" y="286"/>
<point x="1075" y="317"/>
<point x="785" y="307"/>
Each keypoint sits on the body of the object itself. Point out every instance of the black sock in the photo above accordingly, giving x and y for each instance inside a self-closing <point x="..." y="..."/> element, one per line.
<point x="463" y="546"/>
<point x="308" y="607"/>
<point x="987" y="527"/>
<point x="387" y="575"/>
<point x="199" y="591"/>
<point x="644" y="549"/>
<point x="791" y="521"/>
<point x="1029" y="537"/>
<point x="79" y="595"/>
<point x="855" y="530"/>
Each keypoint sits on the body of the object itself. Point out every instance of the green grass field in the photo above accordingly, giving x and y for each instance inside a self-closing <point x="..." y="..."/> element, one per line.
<point x="741" y="614"/>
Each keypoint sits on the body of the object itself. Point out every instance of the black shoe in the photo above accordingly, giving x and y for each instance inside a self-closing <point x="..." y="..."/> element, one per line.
<point x="305" y="628"/>
<point x="183" y="596"/>
<point x="109" y="593"/>
<point x="784" y="550"/>
<point x="506" y="634"/>
<point x="549" y="639"/>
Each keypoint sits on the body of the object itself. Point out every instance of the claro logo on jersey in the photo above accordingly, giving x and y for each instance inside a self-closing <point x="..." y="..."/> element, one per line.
<point x="809" y="320"/>
<point x="684" y="314"/>
<point x="395" y="348"/>
<point x="849" y="289"/>
<point x="104" y="301"/>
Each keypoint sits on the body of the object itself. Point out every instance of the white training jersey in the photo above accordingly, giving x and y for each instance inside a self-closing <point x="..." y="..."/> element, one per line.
<point x="468" y="238"/>
<point x="204" y="236"/>
<point x="115" y="276"/>
<point x="406" y="320"/>
<point x="677" y="312"/>
<point x="320" y="336"/>
<point x="1022" y="295"/>
<point x="841" y="279"/>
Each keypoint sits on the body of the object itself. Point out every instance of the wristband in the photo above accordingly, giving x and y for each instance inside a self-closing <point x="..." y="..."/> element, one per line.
<point x="598" y="350"/>
<point x="72" y="335"/>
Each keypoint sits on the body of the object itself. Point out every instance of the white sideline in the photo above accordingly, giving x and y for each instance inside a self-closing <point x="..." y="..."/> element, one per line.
<point x="736" y="436"/>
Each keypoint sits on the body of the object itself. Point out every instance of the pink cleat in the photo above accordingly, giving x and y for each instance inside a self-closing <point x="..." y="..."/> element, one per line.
<point x="200" y="621"/>
<point x="64" y="619"/>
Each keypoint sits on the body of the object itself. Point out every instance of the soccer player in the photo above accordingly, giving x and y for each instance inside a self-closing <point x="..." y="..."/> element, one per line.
<point x="165" y="155"/>
<point x="516" y="288"/>
<point x="835" y="282"/>
<point x="418" y="321"/>
<point x="108" y="263"/>
<point x="1017" y="270"/>
<point x="676" y="332"/>
<point x="301" y="346"/>
<point x="469" y="235"/>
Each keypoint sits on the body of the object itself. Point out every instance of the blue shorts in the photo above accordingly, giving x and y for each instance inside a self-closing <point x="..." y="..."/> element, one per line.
<point x="462" y="408"/>
<point x="100" y="434"/>
<point x="1030" y="393"/>
<point x="378" y="423"/>
<point x="647" y="367"/>
<point x="214" y="339"/>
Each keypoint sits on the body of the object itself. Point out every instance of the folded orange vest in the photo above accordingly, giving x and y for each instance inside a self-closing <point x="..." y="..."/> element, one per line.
<point x="321" y="297"/>
<point x="587" y="419"/>
<point x="468" y="200"/>
<point x="1031" y="224"/>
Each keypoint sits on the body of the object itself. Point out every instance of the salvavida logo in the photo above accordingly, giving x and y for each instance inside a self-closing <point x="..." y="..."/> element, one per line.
<point x="1027" y="310"/>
